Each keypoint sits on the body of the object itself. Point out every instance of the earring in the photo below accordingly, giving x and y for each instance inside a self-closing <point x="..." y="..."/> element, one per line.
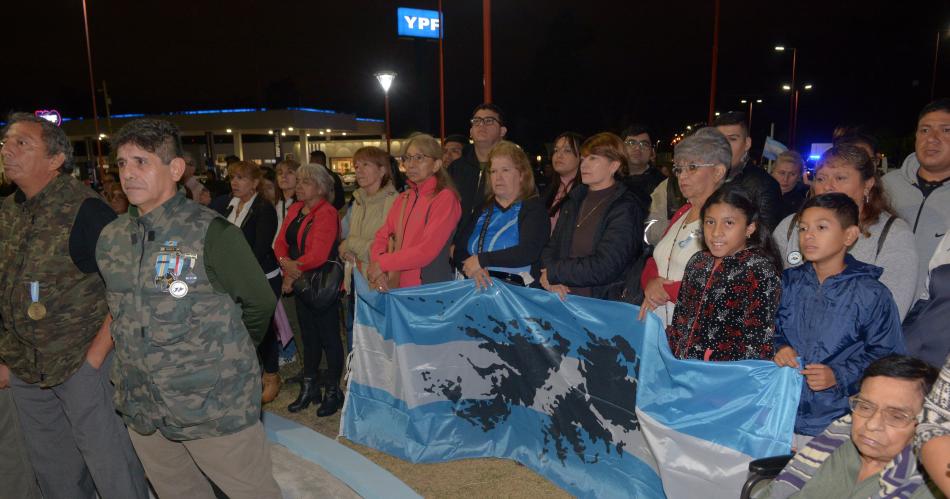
<point x="867" y="198"/>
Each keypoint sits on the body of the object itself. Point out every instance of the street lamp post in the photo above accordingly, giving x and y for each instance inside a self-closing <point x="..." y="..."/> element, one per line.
<point x="385" y="79"/>
<point x="794" y="124"/>
<point x="749" y="115"/>
<point x="793" y="105"/>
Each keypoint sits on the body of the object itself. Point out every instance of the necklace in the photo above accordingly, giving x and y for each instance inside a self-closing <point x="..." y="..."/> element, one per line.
<point x="589" y="213"/>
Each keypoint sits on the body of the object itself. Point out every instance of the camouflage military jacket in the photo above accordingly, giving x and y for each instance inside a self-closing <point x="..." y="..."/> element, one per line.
<point x="34" y="247"/>
<point x="184" y="363"/>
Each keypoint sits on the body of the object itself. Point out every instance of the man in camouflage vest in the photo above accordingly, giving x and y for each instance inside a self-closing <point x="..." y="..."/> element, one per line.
<point x="187" y="296"/>
<point x="55" y="349"/>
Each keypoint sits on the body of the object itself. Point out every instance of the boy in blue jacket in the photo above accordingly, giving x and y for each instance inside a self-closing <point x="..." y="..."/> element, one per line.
<point x="834" y="314"/>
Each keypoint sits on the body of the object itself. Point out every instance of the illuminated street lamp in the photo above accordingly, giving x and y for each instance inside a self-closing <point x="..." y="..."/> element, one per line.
<point x="794" y="102"/>
<point x="795" y="91"/>
<point x="750" y="101"/>
<point x="385" y="79"/>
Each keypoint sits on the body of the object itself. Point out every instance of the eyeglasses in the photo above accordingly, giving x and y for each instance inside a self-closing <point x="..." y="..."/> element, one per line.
<point x="642" y="144"/>
<point x="691" y="168"/>
<point x="892" y="417"/>
<point x="487" y="121"/>
<point x="408" y="158"/>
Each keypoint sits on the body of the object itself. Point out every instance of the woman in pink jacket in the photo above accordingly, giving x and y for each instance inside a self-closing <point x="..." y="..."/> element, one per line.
<point x="412" y="246"/>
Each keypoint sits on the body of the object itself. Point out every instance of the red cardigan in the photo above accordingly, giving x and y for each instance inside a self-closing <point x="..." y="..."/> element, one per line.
<point x="429" y="218"/>
<point x="320" y="240"/>
<point x="650" y="271"/>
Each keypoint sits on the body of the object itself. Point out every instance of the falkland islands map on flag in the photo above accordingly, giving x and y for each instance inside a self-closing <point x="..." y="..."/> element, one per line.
<point x="579" y="391"/>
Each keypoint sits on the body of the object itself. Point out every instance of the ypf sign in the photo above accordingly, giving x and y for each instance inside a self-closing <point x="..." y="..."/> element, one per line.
<point x="418" y="23"/>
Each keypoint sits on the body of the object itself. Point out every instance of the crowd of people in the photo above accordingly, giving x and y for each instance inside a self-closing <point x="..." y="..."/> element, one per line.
<point x="141" y="326"/>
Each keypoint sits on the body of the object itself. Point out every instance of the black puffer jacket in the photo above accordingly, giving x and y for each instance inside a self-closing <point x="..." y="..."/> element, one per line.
<point x="617" y="244"/>
<point x="764" y="191"/>
<point x="469" y="179"/>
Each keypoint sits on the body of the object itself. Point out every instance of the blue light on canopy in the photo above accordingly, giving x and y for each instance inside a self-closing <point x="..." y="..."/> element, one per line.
<point x="418" y="23"/>
<point x="312" y="110"/>
<point x="64" y="119"/>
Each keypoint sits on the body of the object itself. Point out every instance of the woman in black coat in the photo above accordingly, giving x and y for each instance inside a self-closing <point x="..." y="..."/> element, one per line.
<point x="599" y="232"/>
<point x="257" y="218"/>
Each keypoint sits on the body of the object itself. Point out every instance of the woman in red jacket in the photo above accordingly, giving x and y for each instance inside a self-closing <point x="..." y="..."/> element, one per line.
<point x="412" y="246"/>
<point x="308" y="238"/>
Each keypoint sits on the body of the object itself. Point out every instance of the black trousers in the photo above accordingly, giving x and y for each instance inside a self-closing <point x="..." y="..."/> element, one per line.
<point x="269" y="349"/>
<point x="321" y="333"/>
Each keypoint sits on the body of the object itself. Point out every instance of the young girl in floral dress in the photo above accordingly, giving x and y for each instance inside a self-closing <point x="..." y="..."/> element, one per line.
<point x="730" y="291"/>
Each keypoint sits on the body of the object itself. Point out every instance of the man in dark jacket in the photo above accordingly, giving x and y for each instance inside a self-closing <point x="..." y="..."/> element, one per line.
<point x="762" y="188"/>
<point x="468" y="172"/>
<point x="643" y="176"/>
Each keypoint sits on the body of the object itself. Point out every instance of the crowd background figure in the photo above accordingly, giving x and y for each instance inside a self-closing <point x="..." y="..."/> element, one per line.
<point x="815" y="272"/>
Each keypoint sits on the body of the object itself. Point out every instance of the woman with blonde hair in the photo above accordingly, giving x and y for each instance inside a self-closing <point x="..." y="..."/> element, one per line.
<point x="371" y="203"/>
<point x="504" y="237"/>
<point x="412" y="246"/>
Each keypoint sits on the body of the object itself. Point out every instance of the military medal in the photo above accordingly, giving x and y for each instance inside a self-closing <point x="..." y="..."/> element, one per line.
<point x="190" y="261"/>
<point x="794" y="258"/>
<point x="36" y="310"/>
<point x="178" y="289"/>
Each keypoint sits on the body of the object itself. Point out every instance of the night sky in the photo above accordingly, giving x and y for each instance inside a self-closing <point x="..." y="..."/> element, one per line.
<point x="558" y="65"/>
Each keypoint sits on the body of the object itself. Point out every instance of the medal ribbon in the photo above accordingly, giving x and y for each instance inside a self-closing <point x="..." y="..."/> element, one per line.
<point x="35" y="291"/>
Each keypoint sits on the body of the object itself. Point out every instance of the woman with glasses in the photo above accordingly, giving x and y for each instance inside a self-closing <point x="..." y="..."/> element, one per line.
<point x="412" y="246"/>
<point x="566" y="174"/>
<point x="885" y="241"/>
<point x="595" y="240"/>
<point x="868" y="453"/>
<point x="504" y="238"/>
<point x="700" y="164"/>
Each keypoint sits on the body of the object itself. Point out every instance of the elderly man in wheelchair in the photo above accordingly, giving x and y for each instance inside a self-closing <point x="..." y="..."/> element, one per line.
<point x="868" y="453"/>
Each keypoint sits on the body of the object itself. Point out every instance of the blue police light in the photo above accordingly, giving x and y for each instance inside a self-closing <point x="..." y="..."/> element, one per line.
<point x="418" y="23"/>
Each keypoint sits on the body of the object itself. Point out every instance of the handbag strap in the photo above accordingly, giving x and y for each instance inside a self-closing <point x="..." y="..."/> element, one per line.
<point x="880" y="240"/>
<point x="334" y="251"/>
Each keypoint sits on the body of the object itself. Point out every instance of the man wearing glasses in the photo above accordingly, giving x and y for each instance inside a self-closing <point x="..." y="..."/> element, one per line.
<point x="468" y="172"/>
<point x="868" y="453"/>
<point x="643" y="175"/>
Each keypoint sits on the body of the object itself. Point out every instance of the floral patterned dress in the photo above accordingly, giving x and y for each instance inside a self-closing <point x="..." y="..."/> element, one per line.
<point x="726" y="311"/>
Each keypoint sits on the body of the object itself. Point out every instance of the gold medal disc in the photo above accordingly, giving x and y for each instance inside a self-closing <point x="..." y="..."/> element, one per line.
<point x="36" y="311"/>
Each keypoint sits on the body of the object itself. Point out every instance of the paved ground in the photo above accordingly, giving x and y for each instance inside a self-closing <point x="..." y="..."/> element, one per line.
<point x="301" y="479"/>
<point x="469" y="478"/>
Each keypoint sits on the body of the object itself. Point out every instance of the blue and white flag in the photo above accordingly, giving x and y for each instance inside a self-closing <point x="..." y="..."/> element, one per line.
<point x="579" y="391"/>
<point x="773" y="148"/>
